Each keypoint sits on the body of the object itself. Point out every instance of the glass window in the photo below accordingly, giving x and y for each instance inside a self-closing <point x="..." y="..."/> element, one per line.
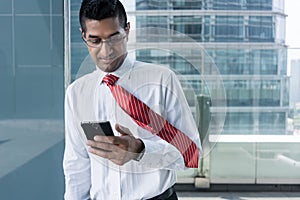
<point x="192" y="26"/>
<point x="75" y="32"/>
<point x="153" y="22"/>
<point x="6" y="6"/>
<point x="246" y="61"/>
<point x="238" y="121"/>
<point x="259" y="4"/>
<point x="229" y="4"/>
<point x="31" y="7"/>
<point x="186" y="4"/>
<point x="269" y="61"/>
<point x="261" y="29"/>
<point x="229" y="29"/>
<point x="272" y="123"/>
<point x="170" y="4"/>
<point x="253" y="93"/>
<point x="7" y="76"/>
<point x="151" y="5"/>
<point x="232" y="61"/>
<point x="200" y="4"/>
<point x="176" y="62"/>
<point x="207" y="28"/>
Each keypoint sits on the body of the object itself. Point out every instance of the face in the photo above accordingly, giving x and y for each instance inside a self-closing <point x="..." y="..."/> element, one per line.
<point x="109" y="55"/>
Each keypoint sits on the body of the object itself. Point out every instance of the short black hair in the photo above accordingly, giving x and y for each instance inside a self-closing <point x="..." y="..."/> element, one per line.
<point x="101" y="9"/>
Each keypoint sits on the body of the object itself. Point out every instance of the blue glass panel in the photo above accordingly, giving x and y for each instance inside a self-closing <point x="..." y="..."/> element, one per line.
<point x="259" y="4"/>
<point x="176" y="62"/>
<point x="33" y="40"/>
<point x="228" y="4"/>
<point x="6" y="69"/>
<point x="75" y="6"/>
<point x="6" y="42"/>
<point x="78" y="54"/>
<point x="57" y="6"/>
<point x="253" y="93"/>
<point x="6" y="7"/>
<point x="75" y="30"/>
<point x="32" y="7"/>
<point x="34" y="92"/>
<point x="244" y="61"/>
<point x="31" y="103"/>
<point x="57" y="51"/>
<point x="152" y="21"/>
<point x="261" y="29"/>
<point x="270" y="123"/>
<point x="151" y="5"/>
<point x="229" y="29"/>
<point x="186" y="4"/>
<point x="274" y="121"/>
<point x="237" y="121"/>
<point x="191" y="26"/>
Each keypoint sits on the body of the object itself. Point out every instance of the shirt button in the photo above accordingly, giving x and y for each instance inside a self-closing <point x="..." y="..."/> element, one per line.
<point x="116" y="196"/>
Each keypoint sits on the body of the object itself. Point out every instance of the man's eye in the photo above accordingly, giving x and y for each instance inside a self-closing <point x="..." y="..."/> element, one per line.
<point x="115" y="39"/>
<point x="95" y="41"/>
<point x="112" y="39"/>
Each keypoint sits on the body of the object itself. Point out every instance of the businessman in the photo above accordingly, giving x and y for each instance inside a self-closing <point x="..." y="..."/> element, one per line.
<point x="154" y="131"/>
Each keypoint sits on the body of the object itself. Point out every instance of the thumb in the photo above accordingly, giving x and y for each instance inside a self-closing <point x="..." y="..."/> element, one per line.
<point x="122" y="130"/>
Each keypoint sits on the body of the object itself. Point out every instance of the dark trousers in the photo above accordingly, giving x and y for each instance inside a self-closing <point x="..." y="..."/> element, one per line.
<point x="173" y="196"/>
<point x="169" y="194"/>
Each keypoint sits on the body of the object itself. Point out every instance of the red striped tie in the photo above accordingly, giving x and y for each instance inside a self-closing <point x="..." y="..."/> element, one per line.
<point x="153" y="122"/>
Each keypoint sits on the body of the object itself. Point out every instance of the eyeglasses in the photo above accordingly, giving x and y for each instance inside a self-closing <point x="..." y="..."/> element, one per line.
<point x="98" y="42"/>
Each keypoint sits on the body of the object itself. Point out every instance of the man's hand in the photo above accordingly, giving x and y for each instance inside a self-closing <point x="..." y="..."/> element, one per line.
<point x="118" y="149"/>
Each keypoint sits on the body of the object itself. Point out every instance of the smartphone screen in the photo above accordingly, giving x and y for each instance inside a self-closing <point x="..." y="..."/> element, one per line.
<point x="91" y="129"/>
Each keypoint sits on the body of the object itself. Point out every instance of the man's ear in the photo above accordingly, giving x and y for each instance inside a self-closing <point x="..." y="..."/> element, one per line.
<point x="127" y="27"/>
<point x="82" y="33"/>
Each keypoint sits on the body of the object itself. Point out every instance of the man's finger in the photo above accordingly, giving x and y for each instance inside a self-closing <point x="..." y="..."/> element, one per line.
<point x="122" y="130"/>
<point x="101" y="153"/>
<point x="107" y="139"/>
<point x="101" y="145"/>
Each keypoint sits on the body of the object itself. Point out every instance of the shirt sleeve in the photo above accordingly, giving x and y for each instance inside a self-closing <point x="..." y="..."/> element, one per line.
<point x="159" y="153"/>
<point x="76" y="161"/>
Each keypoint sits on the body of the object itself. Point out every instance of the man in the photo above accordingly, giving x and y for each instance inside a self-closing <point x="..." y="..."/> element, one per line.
<point x="139" y="162"/>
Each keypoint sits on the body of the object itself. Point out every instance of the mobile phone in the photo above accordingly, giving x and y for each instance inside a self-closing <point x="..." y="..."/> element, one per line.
<point x="91" y="129"/>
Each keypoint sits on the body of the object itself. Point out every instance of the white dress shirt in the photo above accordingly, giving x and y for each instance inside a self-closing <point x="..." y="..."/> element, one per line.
<point x="88" y="99"/>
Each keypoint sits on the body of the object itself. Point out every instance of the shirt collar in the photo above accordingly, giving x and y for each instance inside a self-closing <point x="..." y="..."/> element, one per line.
<point x="126" y="66"/>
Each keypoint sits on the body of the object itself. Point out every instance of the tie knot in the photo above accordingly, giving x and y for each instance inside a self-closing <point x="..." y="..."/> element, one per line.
<point x="110" y="79"/>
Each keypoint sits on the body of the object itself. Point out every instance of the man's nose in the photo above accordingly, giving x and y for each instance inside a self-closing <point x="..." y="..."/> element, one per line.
<point x="105" y="50"/>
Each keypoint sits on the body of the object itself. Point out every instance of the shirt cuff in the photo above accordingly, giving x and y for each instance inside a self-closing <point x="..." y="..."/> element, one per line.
<point x="160" y="154"/>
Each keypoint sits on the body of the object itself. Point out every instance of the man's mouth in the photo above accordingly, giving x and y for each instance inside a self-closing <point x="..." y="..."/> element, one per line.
<point x="106" y="60"/>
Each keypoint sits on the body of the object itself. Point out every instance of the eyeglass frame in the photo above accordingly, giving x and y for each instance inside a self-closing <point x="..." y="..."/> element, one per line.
<point x="107" y="41"/>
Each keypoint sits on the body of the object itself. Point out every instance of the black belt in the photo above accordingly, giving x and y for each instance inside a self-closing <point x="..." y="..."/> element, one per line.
<point x="165" y="195"/>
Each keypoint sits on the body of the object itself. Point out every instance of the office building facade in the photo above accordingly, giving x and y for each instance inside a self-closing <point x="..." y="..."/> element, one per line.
<point x="245" y="39"/>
